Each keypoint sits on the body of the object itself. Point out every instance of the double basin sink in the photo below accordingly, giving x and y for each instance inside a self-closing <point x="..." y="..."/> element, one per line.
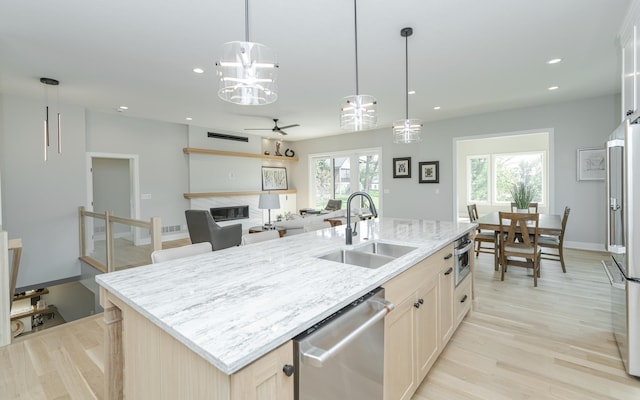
<point x="371" y="255"/>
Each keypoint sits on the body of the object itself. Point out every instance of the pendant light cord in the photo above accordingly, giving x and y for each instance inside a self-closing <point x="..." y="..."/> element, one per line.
<point x="246" y="20"/>
<point x="406" y="92"/>
<point x="355" y="16"/>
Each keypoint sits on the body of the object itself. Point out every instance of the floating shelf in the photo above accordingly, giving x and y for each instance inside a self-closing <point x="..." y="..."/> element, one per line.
<point x="226" y="194"/>
<point x="193" y="150"/>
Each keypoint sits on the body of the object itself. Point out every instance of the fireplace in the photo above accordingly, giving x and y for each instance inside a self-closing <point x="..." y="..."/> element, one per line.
<point x="229" y="213"/>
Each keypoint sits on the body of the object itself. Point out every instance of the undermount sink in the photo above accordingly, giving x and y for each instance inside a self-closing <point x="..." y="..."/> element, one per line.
<point x="372" y="255"/>
<point x="386" y="249"/>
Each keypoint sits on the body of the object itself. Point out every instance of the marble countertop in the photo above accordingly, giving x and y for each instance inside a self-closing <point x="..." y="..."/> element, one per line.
<point x="233" y="306"/>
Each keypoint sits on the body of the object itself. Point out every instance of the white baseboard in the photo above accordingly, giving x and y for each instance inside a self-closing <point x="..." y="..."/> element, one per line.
<point x="584" y="246"/>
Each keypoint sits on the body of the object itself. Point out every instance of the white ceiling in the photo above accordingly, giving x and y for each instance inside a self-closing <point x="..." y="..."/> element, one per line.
<point x="466" y="56"/>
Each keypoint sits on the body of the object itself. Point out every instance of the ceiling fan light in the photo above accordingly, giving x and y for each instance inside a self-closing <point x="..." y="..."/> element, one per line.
<point x="247" y="74"/>
<point x="358" y="112"/>
<point x="407" y="131"/>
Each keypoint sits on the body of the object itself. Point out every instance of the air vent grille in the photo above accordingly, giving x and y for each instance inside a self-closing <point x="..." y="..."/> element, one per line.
<point x="227" y="137"/>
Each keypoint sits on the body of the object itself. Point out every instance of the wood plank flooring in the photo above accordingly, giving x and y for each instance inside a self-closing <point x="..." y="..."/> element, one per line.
<point x="520" y="342"/>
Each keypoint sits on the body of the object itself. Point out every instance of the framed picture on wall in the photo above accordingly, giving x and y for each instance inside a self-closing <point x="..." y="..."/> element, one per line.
<point x="429" y="172"/>
<point x="274" y="178"/>
<point x="591" y="164"/>
<point x="402" y="167"/>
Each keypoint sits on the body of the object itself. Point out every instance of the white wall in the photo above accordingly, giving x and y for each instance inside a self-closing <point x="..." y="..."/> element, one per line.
<point x="578" y="124"/>
<point x="41" y="199"/>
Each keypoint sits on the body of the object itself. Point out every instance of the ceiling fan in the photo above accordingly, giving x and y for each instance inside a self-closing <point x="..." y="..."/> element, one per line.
<point x="277" y="129"/>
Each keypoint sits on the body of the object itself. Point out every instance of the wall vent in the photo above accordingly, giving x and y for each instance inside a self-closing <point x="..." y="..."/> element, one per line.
<point x="171" y="228"/>
<point x="227" y="137"/>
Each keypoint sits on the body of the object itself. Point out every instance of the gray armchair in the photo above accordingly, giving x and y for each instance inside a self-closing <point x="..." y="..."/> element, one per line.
<point x="202" y="228"/>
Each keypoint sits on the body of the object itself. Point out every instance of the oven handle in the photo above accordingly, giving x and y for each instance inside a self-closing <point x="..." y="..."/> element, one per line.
<point x="615" y="283"/>
<point x="468" y="246"/>
<point x="317" y="357"/>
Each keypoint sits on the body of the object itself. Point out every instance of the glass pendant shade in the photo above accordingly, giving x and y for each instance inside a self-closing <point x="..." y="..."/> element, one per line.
<point x="407" y="131"/>
<point x="358" y="112"/>
<point x="247" y="74"/>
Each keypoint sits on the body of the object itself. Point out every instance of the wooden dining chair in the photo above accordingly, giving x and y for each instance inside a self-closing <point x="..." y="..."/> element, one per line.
<point x="555" y="242"/>
<point x="483" y="237"/>
<point x="533" y="207"/>
<point x="518" y="242"/>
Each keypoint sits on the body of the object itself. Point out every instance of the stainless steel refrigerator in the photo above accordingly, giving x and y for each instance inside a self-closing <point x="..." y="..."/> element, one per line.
<point x="623" y="240"/>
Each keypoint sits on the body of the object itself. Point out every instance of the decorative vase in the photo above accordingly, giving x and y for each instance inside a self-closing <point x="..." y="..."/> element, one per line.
<point x="523" y="210"/>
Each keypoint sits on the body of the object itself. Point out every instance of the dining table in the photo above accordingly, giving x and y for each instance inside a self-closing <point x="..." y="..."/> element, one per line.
<point x="548" y="224"/>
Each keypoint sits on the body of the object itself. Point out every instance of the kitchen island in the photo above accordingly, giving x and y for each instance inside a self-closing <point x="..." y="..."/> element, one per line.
<point x="235" y="306"/>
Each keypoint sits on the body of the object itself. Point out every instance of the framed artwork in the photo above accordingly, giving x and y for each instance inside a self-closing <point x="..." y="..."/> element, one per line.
<point x="591" y="164"/>
<point x="429" y="172"/>
<point x="402" y="167"/>
<point x="274" y="178"/>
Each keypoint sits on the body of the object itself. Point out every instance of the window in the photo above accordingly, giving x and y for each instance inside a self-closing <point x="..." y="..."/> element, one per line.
<point x="490" y="177"/>
<point x="332" y="176"/>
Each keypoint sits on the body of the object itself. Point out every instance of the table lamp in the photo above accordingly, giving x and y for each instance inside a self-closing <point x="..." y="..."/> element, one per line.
<point x="269" y="201"/>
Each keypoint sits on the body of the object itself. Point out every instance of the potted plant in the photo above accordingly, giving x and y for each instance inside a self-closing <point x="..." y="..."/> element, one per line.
<point x="522" y="195"/>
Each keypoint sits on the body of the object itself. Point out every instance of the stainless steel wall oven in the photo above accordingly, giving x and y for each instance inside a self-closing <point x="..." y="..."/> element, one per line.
<point x="462" y="252"/>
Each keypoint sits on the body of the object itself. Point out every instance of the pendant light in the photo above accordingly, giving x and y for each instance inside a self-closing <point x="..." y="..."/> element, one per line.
<point x="51" y="82"/>
<point x="247" y="71"/>
<point x="358" y="112"/>
<point x="407" y="130"/>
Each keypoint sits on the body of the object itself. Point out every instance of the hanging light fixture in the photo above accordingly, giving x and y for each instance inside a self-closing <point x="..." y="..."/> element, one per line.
<point x="407" y="130"/>
<point x="358" y="112"/>
<point x="51" y="82"/>
<point x="247" y="71"/>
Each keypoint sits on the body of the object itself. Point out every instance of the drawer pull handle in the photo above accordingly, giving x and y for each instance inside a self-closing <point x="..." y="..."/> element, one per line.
<point x="448" y="256"/>
<point x="464" y="298"/>
<point x="449" y="271"/>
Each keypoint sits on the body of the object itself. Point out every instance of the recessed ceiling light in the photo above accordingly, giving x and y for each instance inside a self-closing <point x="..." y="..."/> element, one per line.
<point x="411" y="92"/>
<point x="553" y="88"/>
<point x="198" y="70"/>
<point x="436" y="107"/>
<point x="554" y="61"/>
<point x="122" y="108"/>
<point x="189" y="119"/>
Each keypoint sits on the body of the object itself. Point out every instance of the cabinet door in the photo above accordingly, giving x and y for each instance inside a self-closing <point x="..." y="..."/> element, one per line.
<point x="400" y="379"/>
<point x="445" y="284"/>
<point x="265" y="379"/>
<point x="427" y="336"/>
<point x="629" y="76"/>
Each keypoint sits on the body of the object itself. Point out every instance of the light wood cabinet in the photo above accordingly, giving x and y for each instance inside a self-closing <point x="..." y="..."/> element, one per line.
<point x="160" y="367"/>
<point x="412" y="331"/>
<point x="462" y="300"/>
<point x="265" y="379"/>
<point x="446" y="284"/>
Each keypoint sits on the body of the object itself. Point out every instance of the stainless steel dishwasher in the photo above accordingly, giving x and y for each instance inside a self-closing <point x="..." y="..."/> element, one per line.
<point x="342" y="356"/>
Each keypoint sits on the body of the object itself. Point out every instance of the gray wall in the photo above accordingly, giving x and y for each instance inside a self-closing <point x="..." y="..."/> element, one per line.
<point x="163" y="166"/>
<point x="40" y="199"/>
<point x="578" y="124"/>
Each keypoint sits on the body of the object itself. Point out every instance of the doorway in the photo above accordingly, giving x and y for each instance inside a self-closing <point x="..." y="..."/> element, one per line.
<point x="113" y="184"/>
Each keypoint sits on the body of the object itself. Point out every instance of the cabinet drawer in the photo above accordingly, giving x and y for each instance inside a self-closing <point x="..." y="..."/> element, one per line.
<point x="462" y="300"/>
<point x="398" y="288"/>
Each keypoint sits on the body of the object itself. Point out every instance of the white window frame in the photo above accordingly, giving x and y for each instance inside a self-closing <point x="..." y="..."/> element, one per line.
<point x="494" y="189"/>
<point x="354" y="156"/>
<point x="489" y="179"/>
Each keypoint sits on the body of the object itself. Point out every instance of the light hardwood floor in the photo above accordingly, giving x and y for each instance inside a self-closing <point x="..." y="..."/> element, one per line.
<point x="520" y="342"/>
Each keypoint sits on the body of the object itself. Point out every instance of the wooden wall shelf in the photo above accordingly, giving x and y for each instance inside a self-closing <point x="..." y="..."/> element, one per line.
<point x="193" y="150"/>
<point x="225" y="194"/>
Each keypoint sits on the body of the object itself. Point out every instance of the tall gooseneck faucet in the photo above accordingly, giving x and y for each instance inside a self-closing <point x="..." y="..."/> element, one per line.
<point x="350" y="232"/>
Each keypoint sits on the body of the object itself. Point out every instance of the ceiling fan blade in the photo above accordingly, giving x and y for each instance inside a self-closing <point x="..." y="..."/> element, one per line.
<point x="281" y="132"/>
<point x="289" y="126"/>
<point x="257" y="129"/>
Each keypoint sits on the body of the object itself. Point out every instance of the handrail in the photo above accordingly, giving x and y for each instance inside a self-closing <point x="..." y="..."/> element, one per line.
<point x="153" y="225"/>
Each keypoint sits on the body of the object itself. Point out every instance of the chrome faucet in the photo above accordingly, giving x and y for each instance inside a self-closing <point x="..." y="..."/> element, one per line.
<point x="352" y="232"/>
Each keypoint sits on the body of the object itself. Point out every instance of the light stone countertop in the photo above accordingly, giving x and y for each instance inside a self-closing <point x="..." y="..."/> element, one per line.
<point x="233" y="306"/>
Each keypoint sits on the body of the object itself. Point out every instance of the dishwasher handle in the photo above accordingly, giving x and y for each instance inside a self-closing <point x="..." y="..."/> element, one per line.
<point x="317" y="357"/>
